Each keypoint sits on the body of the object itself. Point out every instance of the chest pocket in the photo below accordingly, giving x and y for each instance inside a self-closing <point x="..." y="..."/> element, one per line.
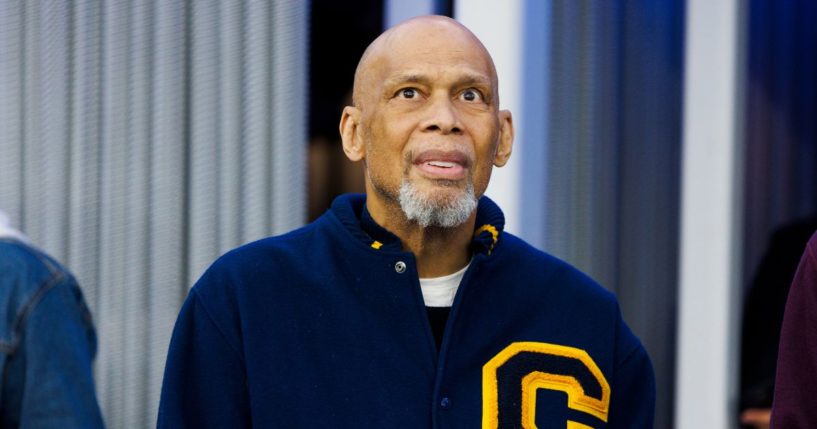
<point x="535" y="366"/>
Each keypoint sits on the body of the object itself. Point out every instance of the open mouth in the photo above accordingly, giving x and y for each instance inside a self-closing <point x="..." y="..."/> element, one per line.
<point x="442" y="164"/>
<point x="446" y="165"/>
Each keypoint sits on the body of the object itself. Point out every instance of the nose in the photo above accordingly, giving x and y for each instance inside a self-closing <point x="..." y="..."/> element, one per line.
<point x="442" y="117"/>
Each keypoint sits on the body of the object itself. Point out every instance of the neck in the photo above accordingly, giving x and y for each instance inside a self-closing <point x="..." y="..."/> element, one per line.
<point x="439" y="251"/>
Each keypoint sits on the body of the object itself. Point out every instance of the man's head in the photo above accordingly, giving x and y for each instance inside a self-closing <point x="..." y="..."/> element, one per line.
<point x="426" y="121"/>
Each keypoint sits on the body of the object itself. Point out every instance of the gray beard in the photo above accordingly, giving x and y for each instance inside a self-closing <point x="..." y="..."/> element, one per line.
<point x="428" y="212"/>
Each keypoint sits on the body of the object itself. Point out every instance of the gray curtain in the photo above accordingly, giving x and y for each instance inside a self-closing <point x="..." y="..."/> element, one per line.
<point x="138" y="141"/>
<point x="609" y="175"/>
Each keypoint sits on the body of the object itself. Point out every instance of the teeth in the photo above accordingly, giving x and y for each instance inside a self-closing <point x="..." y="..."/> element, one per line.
<point x="442" y="164"/>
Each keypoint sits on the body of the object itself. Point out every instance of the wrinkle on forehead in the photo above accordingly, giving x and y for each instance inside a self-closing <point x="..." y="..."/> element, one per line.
<point x="377" y="54"/>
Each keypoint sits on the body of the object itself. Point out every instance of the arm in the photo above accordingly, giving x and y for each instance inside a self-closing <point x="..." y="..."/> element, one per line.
<point x="632" y="403"/>
<point x="796" y="383"/>
<point x="205" y="379"/>
<point x="632" y="396"/>
<point x="57" y="347"/>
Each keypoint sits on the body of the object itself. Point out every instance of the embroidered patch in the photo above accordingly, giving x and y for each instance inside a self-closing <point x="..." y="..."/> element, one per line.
<point x="512" y="377"/>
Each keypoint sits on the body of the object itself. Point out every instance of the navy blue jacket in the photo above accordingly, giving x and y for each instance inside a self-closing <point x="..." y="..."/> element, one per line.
<point x="323" y="327"/>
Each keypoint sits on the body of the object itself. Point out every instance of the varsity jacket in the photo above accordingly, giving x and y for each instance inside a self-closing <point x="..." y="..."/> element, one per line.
<point x="325" y="327"/>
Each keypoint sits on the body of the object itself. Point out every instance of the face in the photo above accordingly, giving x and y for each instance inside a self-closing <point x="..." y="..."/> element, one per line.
<point x="428" y="119"/>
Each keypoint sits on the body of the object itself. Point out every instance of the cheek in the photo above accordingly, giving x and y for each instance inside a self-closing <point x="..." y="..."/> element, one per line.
<point x="484" y="164"/>
<point x="386" y="143"/>
<point x="384" y="159"/>
<point x="482" y="176"/>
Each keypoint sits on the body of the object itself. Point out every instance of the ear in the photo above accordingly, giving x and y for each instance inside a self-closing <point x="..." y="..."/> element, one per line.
<point x="352" y="143"/>
<point x="503" y="150"/>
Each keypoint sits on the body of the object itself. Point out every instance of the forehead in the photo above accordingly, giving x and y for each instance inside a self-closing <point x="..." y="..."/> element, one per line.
<point x="433" y="51"/>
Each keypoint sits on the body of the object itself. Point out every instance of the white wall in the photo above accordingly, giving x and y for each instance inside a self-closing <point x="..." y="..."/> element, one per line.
<point x="710" y="217"/>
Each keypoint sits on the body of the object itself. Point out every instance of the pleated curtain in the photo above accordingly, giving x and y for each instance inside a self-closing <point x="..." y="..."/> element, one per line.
<point x="138" y="141"/>
<point x="610" y="171"/>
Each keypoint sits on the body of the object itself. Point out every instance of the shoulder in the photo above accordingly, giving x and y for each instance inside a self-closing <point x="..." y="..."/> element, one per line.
<point x="805" y="278"/>
<point x="811" y="247"/>
<point x="562" y="305"/>
<point x="27" y="277"/>
<point x="291" y="251"/>
<point x="270" y="261"/>
<point x="804" y="285"/>
<point x="536" y="280"/>
<point x="541" y="269"/>
<point x="27" y="263"/>
<point x="25" y="271"/>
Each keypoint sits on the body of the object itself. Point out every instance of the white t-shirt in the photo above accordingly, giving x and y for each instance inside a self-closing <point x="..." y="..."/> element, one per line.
<point x="440" y="291"/>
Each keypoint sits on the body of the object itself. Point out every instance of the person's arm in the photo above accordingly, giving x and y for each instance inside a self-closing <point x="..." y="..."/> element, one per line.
<point x="632" y="384"/>
<point x="796" y="382"/>
<point x="205" y="379"/>
<point x="632" y="403"/>
<point x="57" y="347"/>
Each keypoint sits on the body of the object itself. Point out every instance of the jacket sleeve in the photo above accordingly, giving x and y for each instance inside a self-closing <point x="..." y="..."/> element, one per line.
<point x="632" y="398"/>
<point x="205" y="379"/>
<point x="796" y="384"/>
<point x="57" y="348"/>
<point x="632" y="403"/>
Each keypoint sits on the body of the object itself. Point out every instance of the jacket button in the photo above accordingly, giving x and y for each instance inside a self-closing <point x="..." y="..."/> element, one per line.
<point x="445" y="403"/>
<point x="400" y="267"/>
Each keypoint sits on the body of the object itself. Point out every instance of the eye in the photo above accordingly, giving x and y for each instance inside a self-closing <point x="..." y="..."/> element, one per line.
<point x="408" y="93"/>
<point x="471" y="95"/>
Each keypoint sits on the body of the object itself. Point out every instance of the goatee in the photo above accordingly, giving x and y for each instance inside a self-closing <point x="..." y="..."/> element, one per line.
<point x="428" y="211"/>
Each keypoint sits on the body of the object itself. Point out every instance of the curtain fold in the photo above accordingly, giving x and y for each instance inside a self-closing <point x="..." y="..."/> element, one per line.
<point x="609" y="173"/>
<point x="139" y="140"/>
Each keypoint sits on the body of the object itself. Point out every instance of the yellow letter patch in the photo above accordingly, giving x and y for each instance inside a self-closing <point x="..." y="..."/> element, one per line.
<point x="515" y="374"/>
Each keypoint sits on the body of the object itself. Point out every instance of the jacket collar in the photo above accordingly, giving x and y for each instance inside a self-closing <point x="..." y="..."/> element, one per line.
<point x="351" y="210"/>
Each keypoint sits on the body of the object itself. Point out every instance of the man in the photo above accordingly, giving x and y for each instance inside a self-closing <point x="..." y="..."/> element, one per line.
<point x="409" y="307"/>
<point x="47" y="341"/>
<point x="795" y="391"/>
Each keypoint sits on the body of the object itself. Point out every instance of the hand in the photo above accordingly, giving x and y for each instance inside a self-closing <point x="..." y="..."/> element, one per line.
<point x="757" y="418"/>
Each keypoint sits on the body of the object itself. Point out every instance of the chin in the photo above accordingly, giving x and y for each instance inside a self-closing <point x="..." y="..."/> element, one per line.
<point x="437" y="206"/>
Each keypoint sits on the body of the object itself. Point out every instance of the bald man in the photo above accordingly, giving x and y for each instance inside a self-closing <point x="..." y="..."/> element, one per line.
<point x="408" y="307"/>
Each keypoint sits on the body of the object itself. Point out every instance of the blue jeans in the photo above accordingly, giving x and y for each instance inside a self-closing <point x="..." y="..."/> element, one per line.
<point x="47" y="344"/>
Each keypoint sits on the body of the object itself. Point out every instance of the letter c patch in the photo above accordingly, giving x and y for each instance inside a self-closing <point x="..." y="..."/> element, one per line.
<point x="515" y="374"/>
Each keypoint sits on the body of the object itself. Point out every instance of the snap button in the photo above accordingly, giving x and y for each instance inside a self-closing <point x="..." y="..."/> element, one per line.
<point x="445" y="402"/>
<point x="400" y="267"/>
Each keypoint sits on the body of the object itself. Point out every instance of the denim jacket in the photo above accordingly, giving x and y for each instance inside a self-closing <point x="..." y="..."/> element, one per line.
<point x="47" y="343"/>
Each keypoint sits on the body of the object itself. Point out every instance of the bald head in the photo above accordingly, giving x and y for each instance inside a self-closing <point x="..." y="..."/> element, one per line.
<point x="425" y="33"/>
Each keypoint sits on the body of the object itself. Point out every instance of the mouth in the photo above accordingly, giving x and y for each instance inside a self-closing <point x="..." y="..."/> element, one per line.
<point x="444" y="165"/>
